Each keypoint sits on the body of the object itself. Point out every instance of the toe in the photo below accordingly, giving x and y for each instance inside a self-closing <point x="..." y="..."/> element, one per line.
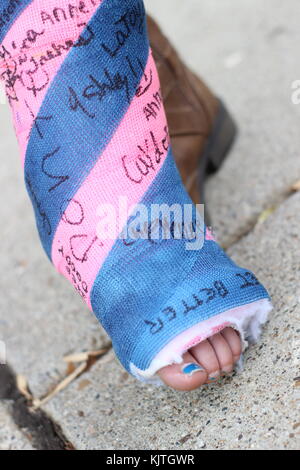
<point x="223" y="352"/>
<point x="234" y="341"/>
<point x="186" y="376"/>
<point x="205" y="355"/>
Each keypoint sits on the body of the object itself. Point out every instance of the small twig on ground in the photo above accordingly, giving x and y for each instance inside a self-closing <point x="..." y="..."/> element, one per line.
<point x="87" y="358"/>
<point x="37" y="403"/>
<point x="22" y="386"/>
<point x="296" y="186"/>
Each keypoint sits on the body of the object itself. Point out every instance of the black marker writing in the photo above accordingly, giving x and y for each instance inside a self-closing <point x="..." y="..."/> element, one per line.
<point x="38" y="205"/>
<point x="61" y="179"/>
<point x="146" y="161"/>
<point x="132" y="20"/>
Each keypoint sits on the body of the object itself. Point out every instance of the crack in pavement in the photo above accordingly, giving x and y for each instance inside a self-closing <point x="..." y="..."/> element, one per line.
<point x="44" y="433"/>
<point x="253" y="222"/>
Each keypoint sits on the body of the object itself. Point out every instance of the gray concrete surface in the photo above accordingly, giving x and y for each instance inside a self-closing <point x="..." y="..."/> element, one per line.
<point x="11" y="438"/>
<point x="248" y="52"/>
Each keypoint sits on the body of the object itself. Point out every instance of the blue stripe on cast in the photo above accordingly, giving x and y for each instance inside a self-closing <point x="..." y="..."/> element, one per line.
<point x="148" y="292"/>
<point x="9" y="11"/>
<point x="82" y="110"/>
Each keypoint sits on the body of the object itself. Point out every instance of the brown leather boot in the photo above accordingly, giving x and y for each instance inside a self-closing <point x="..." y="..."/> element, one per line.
<point x="201" y="129"/>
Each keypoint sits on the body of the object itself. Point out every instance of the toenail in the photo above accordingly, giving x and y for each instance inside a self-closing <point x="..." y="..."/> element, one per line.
<point x="214" y="376"/>
<point x="192" y="368"/>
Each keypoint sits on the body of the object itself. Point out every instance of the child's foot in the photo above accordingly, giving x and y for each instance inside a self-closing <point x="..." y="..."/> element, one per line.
<point x="204" y="363"/>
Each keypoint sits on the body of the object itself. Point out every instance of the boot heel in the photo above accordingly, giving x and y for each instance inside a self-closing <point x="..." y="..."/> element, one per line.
<point x="221" y="140"/>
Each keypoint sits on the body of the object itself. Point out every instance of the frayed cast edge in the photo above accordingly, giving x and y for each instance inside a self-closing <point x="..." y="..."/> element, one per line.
<point x="247" y="320"/>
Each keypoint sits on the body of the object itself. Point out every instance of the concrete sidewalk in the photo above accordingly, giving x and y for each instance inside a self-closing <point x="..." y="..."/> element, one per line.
<point x="248" y="52"/>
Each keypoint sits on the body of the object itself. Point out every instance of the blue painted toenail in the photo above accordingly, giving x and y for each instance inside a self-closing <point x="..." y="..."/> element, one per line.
<point x="190" y="369"/>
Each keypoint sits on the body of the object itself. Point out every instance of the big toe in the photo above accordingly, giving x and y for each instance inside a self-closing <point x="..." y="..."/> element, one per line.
<point x="186" y="376"/>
